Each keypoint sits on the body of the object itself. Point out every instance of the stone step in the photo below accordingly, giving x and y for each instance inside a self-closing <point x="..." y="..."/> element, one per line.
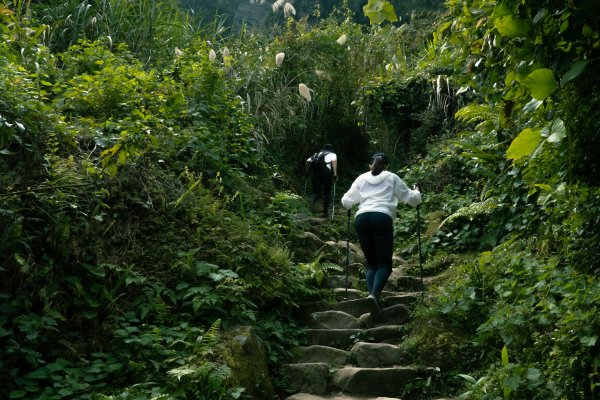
<point x="343" y="396"/>
<point x="345" y="338"/>
<point x="341" y="294"/>
<point x="404" y="298"/>
<point x="342" y="281"/>
<point x="405" y="283"/>
<point x="320" y="354"/>
<point x="307" y="377"/>
<point x="340" y="396"/>
<point x="338" y="338"/>
<point x="319" y="378"/>
<point x="397" y="314"/>
<point x="333" y="319"/>
<point x="375" y="381"/>
<point x="362" y="354"/>
<point x="374" y="355"/>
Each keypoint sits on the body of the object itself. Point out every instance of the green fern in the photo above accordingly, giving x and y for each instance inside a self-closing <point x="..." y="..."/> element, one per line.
<point x="206" y="343"/>
<point x="472" y="211"/>
<point x="329" y="267"/>
<point x="475" y="114"/>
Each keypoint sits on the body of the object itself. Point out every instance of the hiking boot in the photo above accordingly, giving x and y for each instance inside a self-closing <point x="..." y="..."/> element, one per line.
<point x="373" y="304"/>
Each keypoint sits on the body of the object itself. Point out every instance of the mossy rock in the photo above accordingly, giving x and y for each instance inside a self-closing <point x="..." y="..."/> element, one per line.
<point x="246" y="357"/>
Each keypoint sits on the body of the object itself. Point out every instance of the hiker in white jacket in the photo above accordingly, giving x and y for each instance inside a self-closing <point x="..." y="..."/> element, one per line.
<point x="377" y="193"/>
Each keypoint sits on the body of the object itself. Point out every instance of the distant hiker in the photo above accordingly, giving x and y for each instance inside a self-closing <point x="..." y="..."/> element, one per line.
<point x="377" y="193"/>
<point x="323" y="166"/>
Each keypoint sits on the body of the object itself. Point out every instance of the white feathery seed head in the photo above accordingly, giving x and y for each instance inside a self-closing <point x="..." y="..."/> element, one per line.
<point x="322" y="75"/>
<point x="212" y="56"/>
<point x="279" y="59"/>
<point x="277" y="5"/>
<point x="341" y="40"/>
<point x="289" y="10"/>
<point x="304" y="91"/>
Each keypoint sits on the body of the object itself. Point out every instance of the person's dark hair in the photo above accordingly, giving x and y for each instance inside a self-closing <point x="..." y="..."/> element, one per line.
<point x="378" y="162"/>
<point x="328" y="147"/>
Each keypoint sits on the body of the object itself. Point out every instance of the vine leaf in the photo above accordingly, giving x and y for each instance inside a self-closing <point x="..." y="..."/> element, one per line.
<point x="541" y="82"/>
<point x="524" y="144"/>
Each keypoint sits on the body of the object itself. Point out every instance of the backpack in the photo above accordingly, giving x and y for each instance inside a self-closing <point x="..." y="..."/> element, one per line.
<point x="317" y="161"/>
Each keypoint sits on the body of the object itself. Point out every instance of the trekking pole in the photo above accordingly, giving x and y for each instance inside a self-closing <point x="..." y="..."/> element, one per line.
<point x="333" y="200"/>
<point x="305" y="181"/>
<point x="347" y="253"/>
<point x="420" y="253"/>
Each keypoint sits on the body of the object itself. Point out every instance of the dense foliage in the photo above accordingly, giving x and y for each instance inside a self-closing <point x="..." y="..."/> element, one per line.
<point x="150" y="165"/>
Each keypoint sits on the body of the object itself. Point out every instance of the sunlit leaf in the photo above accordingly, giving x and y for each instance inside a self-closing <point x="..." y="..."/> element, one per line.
<point x="509" y="26"/>
<point x="524" y="144"/>
<point x="505" y="356"/>
<point x="541" y="83"/>
<point x="379" y="11"/>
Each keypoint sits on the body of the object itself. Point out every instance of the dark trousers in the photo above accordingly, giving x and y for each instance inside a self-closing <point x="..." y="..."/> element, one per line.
<point x="321" y="183"/>
<point x="375" y="233"/>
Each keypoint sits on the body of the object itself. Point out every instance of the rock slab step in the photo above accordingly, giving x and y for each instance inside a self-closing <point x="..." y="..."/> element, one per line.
<point x="374" y="381"/>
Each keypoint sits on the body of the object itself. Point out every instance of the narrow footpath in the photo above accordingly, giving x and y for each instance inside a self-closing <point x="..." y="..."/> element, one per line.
<point x="350" y="354"/>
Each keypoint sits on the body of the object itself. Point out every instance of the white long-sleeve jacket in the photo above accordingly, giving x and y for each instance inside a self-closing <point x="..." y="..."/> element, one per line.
<point x="379" y="193"/>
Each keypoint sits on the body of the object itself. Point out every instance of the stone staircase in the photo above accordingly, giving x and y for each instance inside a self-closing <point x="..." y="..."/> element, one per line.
<point x="350" y="356"/>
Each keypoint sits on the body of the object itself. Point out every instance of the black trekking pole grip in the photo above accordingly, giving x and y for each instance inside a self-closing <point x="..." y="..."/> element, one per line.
<point x="347" y="253"/>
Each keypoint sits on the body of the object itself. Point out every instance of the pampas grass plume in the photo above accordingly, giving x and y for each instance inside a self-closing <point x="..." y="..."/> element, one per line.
<point x="289" y="10"/>
<point x="304" y="91"/>
<point x="279" y="59"/>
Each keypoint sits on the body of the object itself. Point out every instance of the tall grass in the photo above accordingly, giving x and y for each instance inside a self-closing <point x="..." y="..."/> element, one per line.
<point x="150" y="28"/>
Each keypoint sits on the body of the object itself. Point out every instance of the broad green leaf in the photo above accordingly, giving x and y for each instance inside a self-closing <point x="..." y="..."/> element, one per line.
<point x="574" y="72"/>
<point x="557" y="131"/>
<point x="17" y="394"/>
<point x="524" y="144"/>
<point x="505" y="356"/>
<point x="389" y="12"/>
<point x="533" y="374"/>
<point x="589" y="340"/>
<point x="468" y="378"/>
<point x="501" y="10"/>
<point x="509" y="26"/>
<point x="379" y="11"/>
<point x="533" y="105"/>
<point x="541" y="83"/>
